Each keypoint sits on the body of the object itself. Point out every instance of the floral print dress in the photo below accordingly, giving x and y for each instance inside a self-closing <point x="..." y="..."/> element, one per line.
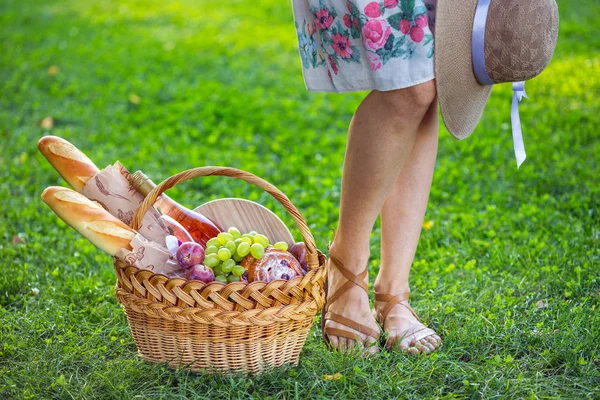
<point x="353" y="45"/>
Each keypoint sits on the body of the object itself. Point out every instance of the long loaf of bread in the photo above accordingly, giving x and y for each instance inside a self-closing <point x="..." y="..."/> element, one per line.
<point x="89" y="218"/>
<point x="70" y="162"/>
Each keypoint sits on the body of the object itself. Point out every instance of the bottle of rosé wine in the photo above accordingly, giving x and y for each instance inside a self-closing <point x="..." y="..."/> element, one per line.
<point x="198" y="226"/>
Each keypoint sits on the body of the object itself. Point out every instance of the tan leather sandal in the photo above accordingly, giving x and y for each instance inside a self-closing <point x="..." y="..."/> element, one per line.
<point x="391" y="302"/>
<point x="353" y="279"/>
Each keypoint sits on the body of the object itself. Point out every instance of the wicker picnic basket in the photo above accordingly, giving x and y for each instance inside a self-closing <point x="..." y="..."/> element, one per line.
<point x="217" y="327"/>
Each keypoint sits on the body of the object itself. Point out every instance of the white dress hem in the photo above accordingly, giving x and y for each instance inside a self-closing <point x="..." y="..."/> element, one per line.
<point x="384" y="88"/>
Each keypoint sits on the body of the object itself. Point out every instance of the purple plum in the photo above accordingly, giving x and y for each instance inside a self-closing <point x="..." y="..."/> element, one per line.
<point x="298" y="250"/>
<point x="190" y="254"/>
<point x="201" y="272"/>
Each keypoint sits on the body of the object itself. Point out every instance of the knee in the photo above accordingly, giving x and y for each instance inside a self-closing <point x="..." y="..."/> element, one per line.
<point x="422" y="95"/>
<point x="414" y="100"/>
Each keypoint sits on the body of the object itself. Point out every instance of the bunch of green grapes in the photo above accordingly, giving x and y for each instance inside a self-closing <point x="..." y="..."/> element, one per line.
<point x="225" y="252"/>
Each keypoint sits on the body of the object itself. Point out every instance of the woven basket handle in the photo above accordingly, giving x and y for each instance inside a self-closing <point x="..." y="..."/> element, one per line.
<point x="312" y="257"/>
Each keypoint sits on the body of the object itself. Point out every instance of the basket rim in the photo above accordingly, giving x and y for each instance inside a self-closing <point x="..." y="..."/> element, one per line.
<point x="224" y="285"/>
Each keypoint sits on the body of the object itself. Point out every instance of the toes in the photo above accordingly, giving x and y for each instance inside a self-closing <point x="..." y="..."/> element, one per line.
<point x="371" y="346"/>
<point x="404" y="344"/>
<point x="427" y="347"/>
<point x="409" y="345"/>
<point x="419" y="346"/>
<point x="359" y="344"/>
<point x="370" y="352"/>
<point x="355" y="344"/>
<point x="433" y="341"/>
<point x="350" y="344"/>
<point x="335" y="343"/>
<point x="343" y="344"/>
<point x="371" y="349"/>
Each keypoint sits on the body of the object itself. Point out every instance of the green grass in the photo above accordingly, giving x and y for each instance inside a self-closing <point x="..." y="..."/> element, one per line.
<point x="220" y="84"/>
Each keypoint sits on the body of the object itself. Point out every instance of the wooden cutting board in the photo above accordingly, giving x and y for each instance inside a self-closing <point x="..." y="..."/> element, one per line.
<point x="247" y="216"/>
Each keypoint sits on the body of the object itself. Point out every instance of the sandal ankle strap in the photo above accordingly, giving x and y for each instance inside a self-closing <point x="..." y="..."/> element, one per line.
<point x="392" y="300"/>
<point x="387" y="297"/>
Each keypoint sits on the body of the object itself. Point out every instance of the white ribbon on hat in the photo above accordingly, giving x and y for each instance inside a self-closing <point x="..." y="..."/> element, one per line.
<point x="478" y="55"/>
<point x="519" y="93"/>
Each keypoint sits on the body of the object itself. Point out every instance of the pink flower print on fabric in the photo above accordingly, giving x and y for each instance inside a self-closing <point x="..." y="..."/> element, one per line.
<point x="347" y="21"/>
<point x="374" y="60"/>
<point x="373" y="10"/>
<point x="405" y="26"/>
<point x="417" y="34"/>
<point x="421" y="21"/>
<point x="390" y="30"/>
<point x="333" y="64"/>
<point x="375" y="33"/>
<point x="322" y="19"/>
<point x="341" y="46"/>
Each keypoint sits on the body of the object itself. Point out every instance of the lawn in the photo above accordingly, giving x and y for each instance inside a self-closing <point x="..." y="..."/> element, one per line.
<point x="507" y="269"/>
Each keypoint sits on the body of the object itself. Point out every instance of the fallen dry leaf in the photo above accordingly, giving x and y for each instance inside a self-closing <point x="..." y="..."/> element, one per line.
<point x="541" y="304"/>
<point x="134" y="98"/>
<point x="17" y="239"/>
<point x="53" y="70"/>
<point x="335" y="377"/>
<point x="47" y="123"/>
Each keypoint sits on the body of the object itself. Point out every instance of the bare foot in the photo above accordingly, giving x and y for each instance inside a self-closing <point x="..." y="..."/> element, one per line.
<point x="406" y="331"/>
<point x="352" y="303"/>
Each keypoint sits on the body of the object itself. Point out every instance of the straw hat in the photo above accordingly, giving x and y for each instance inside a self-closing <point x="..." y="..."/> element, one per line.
<point x="479" y="43"/>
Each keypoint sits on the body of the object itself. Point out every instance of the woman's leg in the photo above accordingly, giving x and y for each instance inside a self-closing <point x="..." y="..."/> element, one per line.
<point x="381" y="137"/>
<point x="401" y="220"/>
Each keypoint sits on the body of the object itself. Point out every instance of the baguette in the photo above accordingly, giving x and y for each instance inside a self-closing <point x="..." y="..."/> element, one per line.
<point x="89" y="218"/>
<point x="70" y="162"/>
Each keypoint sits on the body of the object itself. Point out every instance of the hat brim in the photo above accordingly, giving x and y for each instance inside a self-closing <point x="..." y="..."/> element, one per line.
<point x="461" y="98"/>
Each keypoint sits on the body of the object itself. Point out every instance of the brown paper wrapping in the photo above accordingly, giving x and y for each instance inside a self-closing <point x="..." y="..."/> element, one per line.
<point x="149" y="255"/>
<point x="111" y="188"/>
